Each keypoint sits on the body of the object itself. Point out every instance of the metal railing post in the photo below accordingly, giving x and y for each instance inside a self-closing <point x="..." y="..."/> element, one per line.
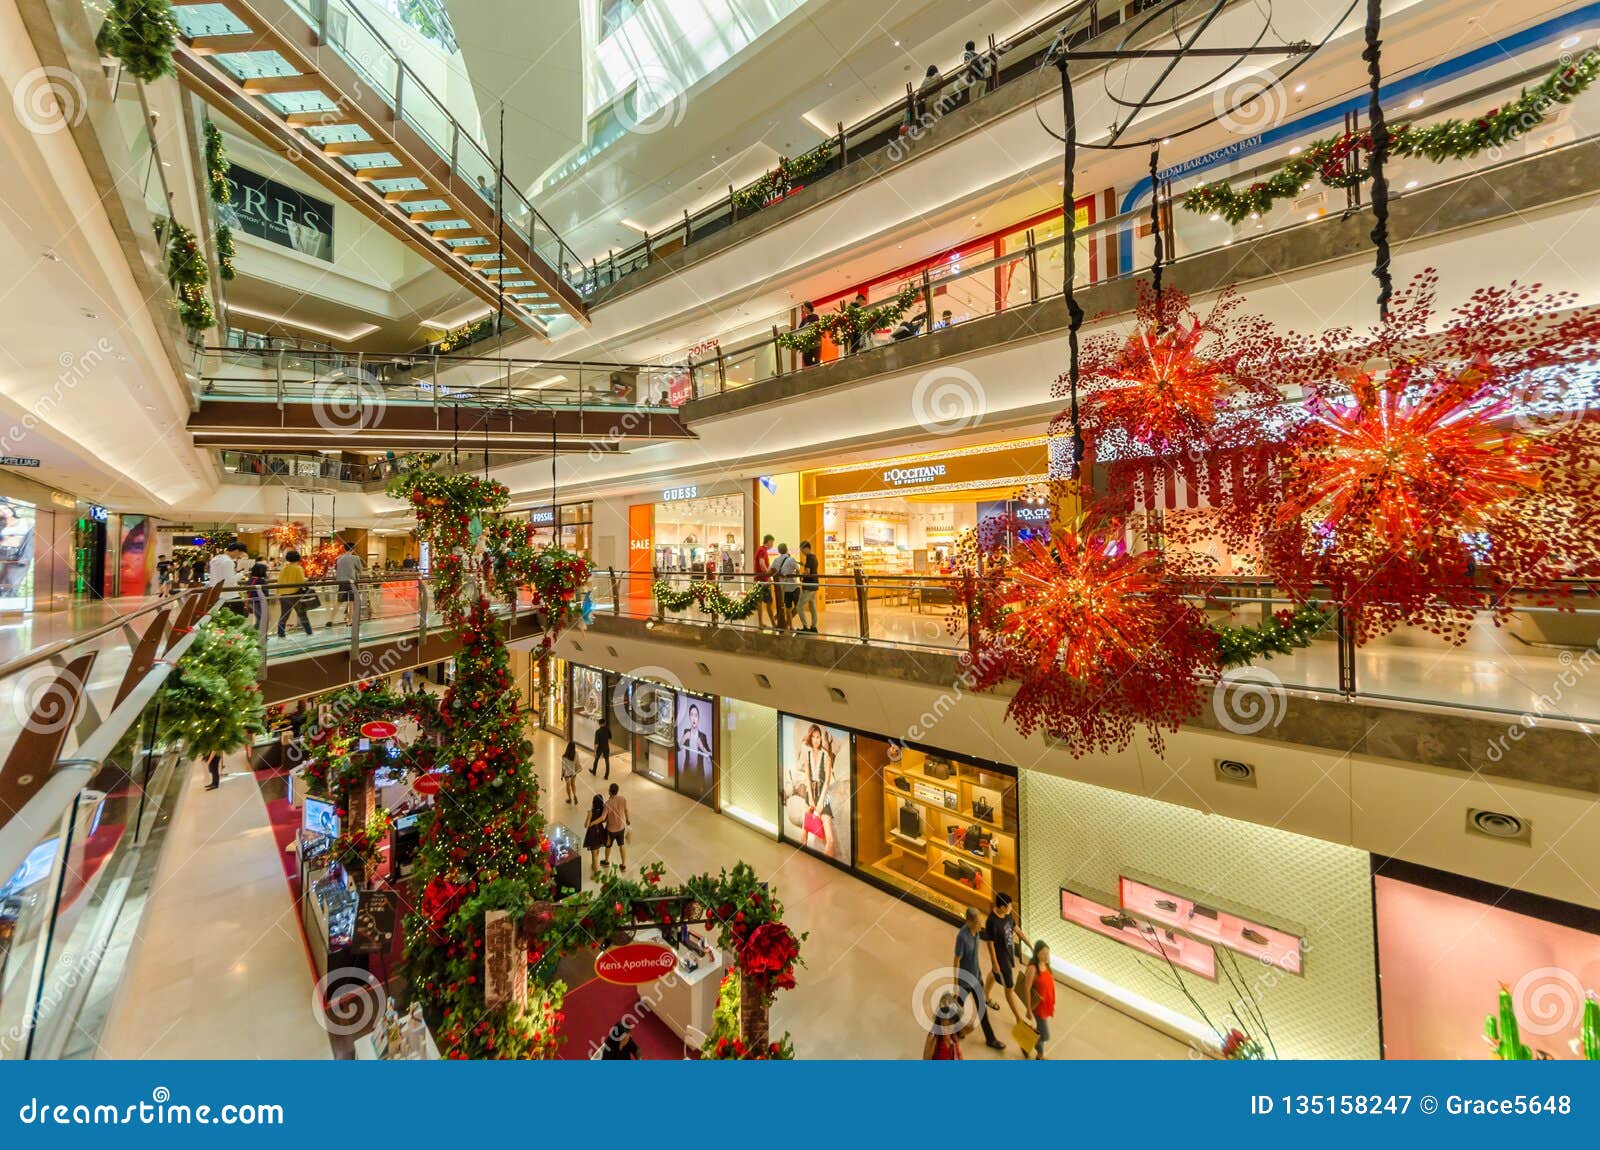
<point x="777" y="353"/>
<point x="355" y="623"/>
<point x="686" y="229"/>
<point x="722" y="372"/>
<point x="616" y="594"/>
<point x="733" y="205"/>
<point x="1033" y="269"/>
<point x="862" y="619"/>
<point x="399" y="89"/>
<point x="1346" y="640"/>
<point x="844" y="153"/>
<point x="647" y="252"/>
<point x="280" y="379"/>
<point x="422" y="614"/>
<point x="927" y="298"/>
<point x="655" y="577"/>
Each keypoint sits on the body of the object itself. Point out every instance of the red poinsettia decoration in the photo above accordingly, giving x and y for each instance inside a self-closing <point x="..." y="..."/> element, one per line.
<point x="768" y="956"/>
<point x="1096" y="636"/>
<point x="1178" y="382"/>
<point x="1430" y="482"/>
<point x="440" y="899"/>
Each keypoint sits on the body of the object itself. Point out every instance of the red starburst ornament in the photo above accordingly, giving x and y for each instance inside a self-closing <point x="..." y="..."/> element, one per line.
<point x="287" y="535"/>
<point x="1096" y="637"/>
<point x="1179" y="382"/>
<point x="1431" y="483"/>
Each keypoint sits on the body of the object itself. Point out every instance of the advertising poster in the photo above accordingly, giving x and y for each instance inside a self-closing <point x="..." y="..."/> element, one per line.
<point x="16" y="555"/>
<point x="280" y="214"/>
<point x="695" y="743"/>
<point x="135" y="579"/>
<point x="814" y="781"/>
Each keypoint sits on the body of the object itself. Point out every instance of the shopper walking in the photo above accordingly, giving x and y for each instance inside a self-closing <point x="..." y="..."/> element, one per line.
<point x="1039" y="991"/>
<point x="214" y="765"/>
<point x="766" y="614"/>
<point x="786" y="581"/>
<point x="292" y="594"/>
<point x="408" y="681"/>
<point x="256" y="596"/>
<point x="163" y="575"/>
<point x="969" y="978"/>
<point x="808" y="588"/>
<point x="569" y="770"/>
<point x="808" y="318"/>
<point x="1001" y="931"/>
<point x="223" y="571"/>
<point x="930" y="85"/>
<point x="602" y="748"/>
<point x="943" y="1043"/>
<point x="617" y="824"/>
<point x="347" y="569"/>
<point x="594" y="834"/>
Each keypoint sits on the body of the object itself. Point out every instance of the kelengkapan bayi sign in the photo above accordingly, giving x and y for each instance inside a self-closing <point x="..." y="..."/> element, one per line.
<point x="280" y="214"/>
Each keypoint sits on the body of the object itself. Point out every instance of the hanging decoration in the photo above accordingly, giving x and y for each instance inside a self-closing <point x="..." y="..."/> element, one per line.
<point x="319" y="562"/>
<point x="710" y="598"/>
<point x="217" y="165"/>
<point x="1165" y="387"/>
<point x="142" y="34"/>
<point x="445" y="506"/>
<point x="189" y="277"/>
<point x="1096" y="637"/>
<point x="285" y="534"/>
<point x="1329" y="160"/>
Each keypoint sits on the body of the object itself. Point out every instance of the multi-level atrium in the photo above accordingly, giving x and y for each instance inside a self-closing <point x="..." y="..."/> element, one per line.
<point x="802" y="528"/>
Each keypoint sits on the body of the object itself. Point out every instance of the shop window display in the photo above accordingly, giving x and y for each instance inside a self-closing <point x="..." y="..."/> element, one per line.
<point x="942" y="830"/>
<point x="651" y="711"/>
<point x="588" y="704"/>
<point x="553" y="712"/>
<point x="701" y="535"/>
<point x="815" y="787"/>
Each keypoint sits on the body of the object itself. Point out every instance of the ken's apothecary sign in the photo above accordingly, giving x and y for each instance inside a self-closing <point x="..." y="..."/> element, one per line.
<point x="279" y="214"/>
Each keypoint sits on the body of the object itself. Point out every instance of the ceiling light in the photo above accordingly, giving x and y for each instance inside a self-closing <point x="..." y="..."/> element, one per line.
<point x="358" y="332"/>
<point x="1298" y="88"/>
<point x="1410" y="184"/>
<point x="51" y="256"/>
<point x="1571" y="41"/>
<point x="1295" y="151"/>
<point x="897" y="43"/>
<point x="1166" y="140"/>
<point x="1417" y="103"/>
<point x="87" y="314"/>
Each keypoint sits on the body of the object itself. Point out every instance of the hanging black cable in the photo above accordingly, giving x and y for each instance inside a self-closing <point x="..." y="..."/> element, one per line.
<point x="1372" y="54"/>
<point x="1155" y="224"/>
<point x="1070" y="224"/>
<point x="455" y="433"/>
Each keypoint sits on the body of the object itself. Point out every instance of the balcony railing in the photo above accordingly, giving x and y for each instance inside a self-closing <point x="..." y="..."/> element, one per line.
<point x="1034" y="271"/>
<point x="1001" y="62"/>
<point x="1523" y="667"/>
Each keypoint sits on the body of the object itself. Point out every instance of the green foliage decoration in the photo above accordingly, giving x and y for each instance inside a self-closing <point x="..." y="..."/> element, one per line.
<point x="211" y="703"/>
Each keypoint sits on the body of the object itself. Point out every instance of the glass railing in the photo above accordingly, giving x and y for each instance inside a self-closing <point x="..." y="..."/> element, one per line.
<point x="291" y="466"/>
<point x="342" y="380"/>
<point x="1521" y="666"/>
<point x="1034" y="272"/>
<point x="901" y="125"/>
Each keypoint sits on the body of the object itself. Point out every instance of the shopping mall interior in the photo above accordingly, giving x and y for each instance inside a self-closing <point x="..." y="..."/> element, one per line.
<point x="1072" y="526"/>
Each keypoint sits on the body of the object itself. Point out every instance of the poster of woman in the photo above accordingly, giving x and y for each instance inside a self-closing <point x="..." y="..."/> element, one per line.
<point x="814" y="766"/>
<point x="695" y="741"/>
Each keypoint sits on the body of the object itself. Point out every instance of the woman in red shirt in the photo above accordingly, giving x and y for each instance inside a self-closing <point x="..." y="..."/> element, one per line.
<point x="1041" y="994"/>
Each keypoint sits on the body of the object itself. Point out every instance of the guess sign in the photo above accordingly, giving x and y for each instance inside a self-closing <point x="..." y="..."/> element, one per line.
<point x="379" y="729"/>
<point x="428" y="784"/>
<point x="635" y="964"/>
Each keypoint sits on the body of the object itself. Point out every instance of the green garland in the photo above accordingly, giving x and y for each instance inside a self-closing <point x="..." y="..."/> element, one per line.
<point x="1326" y="159"/>
<point x="784" y="178"/>
<point x="142" y="34"/>
<point x="1281" y="633"/>
<point x="711" y="599"/>
<point x="211" y="702"/>
<point x="849" y="320"/>
<point x="225" y="252"/>
<point x="188" y="275"/>
<point x="217" y="165"/>
<point x="465" y="334"/>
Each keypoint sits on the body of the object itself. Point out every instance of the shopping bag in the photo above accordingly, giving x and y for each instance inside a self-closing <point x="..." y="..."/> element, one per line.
<point x="1025" y="1037"/>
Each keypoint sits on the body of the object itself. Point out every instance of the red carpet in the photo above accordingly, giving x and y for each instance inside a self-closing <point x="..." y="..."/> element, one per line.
<point x="595" y="1007"/>
<point x="285" y="822"/>
<point x="96" y="849"/>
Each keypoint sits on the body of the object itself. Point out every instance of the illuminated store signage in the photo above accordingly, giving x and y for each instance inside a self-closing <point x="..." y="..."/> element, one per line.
<point x="673" y="493"/>
<point x="542" y="515"/>
<point x="97" y="513"/>
<point x="904" y="476"/>
<point x="1034" y="514"/>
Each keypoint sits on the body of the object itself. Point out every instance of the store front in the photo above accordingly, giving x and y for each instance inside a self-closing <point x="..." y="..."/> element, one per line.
<point x="553" y="706"/>
<point x="571" y="525"/>
<point x="1447" y="944"/>
<point x="939" y="829"/>
<point x="674" y="738"/>
<point x="1168" y="911"/>
<point x="698" y="528"/>
<point x="590" y="695"/>
<point x="905" y="515"/>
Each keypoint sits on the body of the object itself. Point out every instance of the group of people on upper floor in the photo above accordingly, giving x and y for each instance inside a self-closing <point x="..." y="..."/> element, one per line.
<point x="971" y="80"/>
<point x="250" y="583"/>
<point x="789" y="586"/>
<point x="865" y="340"/>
